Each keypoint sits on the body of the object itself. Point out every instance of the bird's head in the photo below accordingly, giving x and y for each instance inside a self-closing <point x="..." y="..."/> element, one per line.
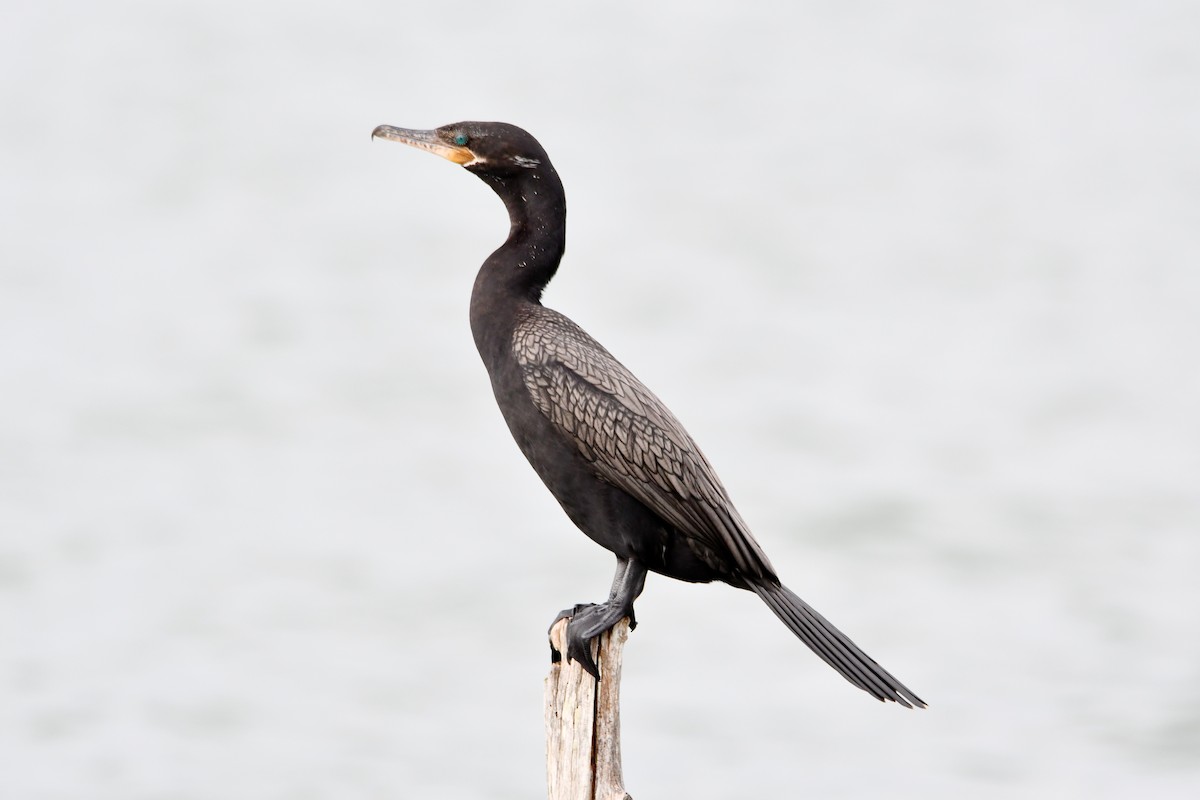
<point x="485" y="148"/>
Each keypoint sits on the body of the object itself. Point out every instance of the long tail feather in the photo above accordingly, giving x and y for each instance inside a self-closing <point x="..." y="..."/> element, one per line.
<point x="834" y="647"/>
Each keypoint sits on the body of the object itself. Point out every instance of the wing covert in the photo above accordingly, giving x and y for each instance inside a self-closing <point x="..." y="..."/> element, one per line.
<point x="631" y="438"/>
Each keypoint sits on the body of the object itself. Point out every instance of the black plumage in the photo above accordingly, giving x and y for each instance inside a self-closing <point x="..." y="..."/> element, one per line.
<point x="623" y="468"/>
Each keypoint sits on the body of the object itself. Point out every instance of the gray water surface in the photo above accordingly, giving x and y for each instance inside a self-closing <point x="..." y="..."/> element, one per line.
<point x="921" y="278"/>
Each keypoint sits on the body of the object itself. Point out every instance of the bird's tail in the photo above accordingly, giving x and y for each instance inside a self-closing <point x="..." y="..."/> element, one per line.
<point x="834" y="646"/>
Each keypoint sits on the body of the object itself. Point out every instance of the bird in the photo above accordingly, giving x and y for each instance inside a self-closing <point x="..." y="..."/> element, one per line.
<point x="616" y="459"/>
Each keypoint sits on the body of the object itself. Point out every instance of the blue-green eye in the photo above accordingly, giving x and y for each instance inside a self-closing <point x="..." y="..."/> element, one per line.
<point x="461" y="139"/>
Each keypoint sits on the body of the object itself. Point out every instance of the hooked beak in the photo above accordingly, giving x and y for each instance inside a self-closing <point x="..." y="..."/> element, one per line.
<point x="425" y="140"/>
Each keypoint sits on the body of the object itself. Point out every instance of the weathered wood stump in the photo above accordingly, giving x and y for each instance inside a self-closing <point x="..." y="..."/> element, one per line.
<point x="583" y="721"/>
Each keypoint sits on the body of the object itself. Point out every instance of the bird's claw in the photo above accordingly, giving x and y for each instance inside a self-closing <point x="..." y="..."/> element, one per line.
<point x="582" y="630"/>
<point x="578" y="648"/>
<point x="569" y="614"/>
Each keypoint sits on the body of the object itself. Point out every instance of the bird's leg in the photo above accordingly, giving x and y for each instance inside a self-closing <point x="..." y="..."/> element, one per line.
<point x="586" y="621"/>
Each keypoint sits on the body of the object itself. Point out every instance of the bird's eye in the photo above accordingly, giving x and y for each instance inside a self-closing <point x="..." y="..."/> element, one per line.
<point x="461" y="139"/>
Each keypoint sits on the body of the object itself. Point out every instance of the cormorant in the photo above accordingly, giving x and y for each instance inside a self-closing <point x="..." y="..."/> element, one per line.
<point x="622" y="467"/>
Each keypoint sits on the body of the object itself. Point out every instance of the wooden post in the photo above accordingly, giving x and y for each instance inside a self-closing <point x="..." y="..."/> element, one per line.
<point x="583" y="721"/>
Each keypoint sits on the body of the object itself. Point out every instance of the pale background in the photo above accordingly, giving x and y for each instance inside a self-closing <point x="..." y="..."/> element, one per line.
<point x="922" y="278"/>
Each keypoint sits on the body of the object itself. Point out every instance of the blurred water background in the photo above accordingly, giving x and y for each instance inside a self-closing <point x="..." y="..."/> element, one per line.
<point x="922" y="278"/>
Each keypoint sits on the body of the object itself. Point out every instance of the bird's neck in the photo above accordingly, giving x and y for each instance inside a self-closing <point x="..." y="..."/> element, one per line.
<point x="519" y="270"/>
<point x="537" y="215"/>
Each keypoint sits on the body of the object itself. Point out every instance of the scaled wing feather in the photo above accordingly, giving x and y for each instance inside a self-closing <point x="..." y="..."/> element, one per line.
<point x="632" y="439"/>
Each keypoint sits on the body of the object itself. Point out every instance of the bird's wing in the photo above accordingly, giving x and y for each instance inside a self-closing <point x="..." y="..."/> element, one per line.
<point x="631" y="438"/>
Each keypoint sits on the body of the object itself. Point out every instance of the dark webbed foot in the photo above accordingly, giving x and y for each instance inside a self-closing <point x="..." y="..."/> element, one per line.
<point x="586" y="621"/>
<point x="566" y="613"/>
